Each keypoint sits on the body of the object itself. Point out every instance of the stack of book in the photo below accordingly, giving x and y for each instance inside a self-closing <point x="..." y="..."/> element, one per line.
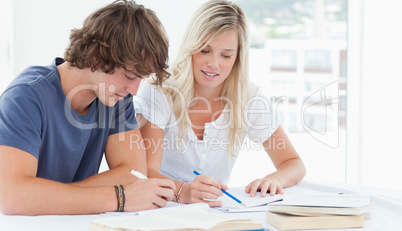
<point x="322" y="211"/>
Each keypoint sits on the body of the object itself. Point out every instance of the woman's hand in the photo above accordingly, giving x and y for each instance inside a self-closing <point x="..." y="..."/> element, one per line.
<point x="203" y="189"/>
<point x="270" y="183"/>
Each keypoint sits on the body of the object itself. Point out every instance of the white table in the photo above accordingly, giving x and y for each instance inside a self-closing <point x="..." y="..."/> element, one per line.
<point x="386" y="214"/>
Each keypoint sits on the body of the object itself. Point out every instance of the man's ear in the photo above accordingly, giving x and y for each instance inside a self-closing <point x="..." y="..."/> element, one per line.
<point x="94" y="62"/>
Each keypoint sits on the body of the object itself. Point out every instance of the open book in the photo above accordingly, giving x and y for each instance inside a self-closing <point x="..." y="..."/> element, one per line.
<point x="193" y="217"/>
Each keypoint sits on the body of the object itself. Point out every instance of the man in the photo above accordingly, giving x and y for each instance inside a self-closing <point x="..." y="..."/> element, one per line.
<point x="56" y="121"/>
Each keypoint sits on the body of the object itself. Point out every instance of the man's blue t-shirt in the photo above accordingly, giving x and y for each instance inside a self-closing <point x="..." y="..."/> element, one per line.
<point x="36" y="117"/>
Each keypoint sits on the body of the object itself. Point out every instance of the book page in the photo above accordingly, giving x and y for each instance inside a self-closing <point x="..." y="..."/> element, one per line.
<point x="170" y="206"/>
<point x="192" y="217"/>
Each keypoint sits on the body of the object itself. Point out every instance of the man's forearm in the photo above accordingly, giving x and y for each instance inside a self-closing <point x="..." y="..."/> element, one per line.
<point x="119" y="175"/>
<point x="37" y="196"/>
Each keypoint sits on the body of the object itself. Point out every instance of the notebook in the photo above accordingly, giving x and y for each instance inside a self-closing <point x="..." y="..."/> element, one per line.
<point x="328" y="203"/>
<point x="256" y="203"/>
<point x="319" y="211"/>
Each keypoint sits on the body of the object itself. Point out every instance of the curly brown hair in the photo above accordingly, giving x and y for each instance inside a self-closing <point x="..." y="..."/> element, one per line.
<point x="121" y="34"/>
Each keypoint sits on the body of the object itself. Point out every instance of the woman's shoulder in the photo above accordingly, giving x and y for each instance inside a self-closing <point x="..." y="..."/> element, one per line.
<point x="252" y="87"/>
<point x="256" y="90"/>
<point x="257" y="97"/>
<point x="147" y="89"/>
<point x="150" y="94"/>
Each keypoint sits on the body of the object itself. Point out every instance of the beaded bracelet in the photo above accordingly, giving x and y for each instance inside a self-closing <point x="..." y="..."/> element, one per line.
<point x="121" y="199"/>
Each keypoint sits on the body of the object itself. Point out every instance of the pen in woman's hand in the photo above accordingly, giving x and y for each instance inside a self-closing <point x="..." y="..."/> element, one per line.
<point x="224" y="191"/>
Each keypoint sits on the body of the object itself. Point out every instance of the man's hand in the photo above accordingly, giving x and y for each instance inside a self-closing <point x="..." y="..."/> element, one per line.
<point x="144" y="194"/>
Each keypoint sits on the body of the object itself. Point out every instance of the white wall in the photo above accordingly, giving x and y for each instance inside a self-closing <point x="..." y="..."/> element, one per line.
<point x="382" y="83"/>
<point x="42" y="28"/>
<point x="6" y="40"/>
<point x="374" y="87"/>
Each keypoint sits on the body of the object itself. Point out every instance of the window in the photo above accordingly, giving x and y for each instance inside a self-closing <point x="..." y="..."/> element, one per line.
<point x="298" y="58"/>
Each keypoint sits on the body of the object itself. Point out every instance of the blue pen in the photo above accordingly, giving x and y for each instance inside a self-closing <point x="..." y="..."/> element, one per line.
<point x="224" y="191"/>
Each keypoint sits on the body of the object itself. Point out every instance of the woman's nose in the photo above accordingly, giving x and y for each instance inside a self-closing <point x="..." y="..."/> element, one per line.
<point x="213" y="61"/>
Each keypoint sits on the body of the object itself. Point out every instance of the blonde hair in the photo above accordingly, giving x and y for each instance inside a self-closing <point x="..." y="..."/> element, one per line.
<point x="210" y="21"/>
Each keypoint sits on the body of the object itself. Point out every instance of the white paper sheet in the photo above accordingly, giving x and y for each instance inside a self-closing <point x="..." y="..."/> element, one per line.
<point x="256" y="203"/>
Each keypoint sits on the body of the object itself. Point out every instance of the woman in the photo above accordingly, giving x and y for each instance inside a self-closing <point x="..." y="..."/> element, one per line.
<point x="198" y="119"/>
